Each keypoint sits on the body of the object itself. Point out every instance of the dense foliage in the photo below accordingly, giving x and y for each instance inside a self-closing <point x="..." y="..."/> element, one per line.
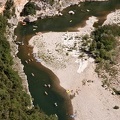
<point x="104" y="42"/>
<point x="14" y="102"/>
<point x="105" y="49"/>
<point x="29" y="9"/>
<point x="9" y="9"/>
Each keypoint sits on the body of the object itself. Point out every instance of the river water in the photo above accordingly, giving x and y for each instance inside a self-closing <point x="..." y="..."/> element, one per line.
<point x="44" y="76"/>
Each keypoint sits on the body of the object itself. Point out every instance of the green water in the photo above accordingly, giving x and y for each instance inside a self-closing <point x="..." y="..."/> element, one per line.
<point x="42" y="76"/>
<point x="46" y="76"/>
<point x="62" y="23"/>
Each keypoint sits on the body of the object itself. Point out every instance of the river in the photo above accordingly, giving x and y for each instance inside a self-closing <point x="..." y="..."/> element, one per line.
<point x="43" y="76"/>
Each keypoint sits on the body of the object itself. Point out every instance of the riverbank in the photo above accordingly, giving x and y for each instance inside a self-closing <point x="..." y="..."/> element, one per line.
<point x="44" y="9"/>
<point x="17" y="65"/>
<point x="96" y="102"/>
<point x="53" y="49"/>
<point x="89" y="99"/>
<point x="85" y="80"/>
<point x="19" y="4"/>
<point x="113" y="18"/>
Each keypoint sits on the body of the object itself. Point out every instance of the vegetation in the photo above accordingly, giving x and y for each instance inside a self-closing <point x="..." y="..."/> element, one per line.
<point x="9" y="9"/>
<point x="14" y="102"/>
<point x="51" y="2"/>
<point x="29" y="9"/>
<point x="104" y="43"/>
<point x="104" y="49"/>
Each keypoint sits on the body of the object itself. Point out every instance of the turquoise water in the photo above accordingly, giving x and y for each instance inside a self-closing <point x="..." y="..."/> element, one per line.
<point x="43" y="75"/>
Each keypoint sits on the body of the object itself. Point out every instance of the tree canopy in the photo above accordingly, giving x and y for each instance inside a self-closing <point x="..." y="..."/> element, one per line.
<point x="29" y="9"/>
<point x="104" y="42"/>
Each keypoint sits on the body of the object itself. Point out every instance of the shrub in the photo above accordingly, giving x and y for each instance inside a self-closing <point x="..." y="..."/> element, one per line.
<point x="104" y="43"/>
<point x="9" y="9"/>
<point x="29" y="9"/>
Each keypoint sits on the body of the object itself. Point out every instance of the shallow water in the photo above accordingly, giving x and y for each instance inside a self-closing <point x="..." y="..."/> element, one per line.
<point x="43" y="75"/>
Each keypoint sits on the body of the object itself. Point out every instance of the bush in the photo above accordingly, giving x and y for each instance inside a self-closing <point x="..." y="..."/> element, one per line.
<point x="104" y="42"/>
<point x="9" y="4"/>
<point x="9" y="9"/>
<point x="29" y="9"/>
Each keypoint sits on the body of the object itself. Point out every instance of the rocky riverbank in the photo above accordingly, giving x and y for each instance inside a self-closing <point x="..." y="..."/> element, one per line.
<point x="85" y="87"/>
<point x="19" y="5"/>
<point x="17" y="65"/>
<point x="45" y="9"/>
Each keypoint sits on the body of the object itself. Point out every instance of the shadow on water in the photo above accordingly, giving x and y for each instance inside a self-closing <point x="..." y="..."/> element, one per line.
<point x="43" y="75"/>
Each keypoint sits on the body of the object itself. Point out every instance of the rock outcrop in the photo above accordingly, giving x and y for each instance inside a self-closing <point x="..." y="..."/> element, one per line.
<point x="19" y="5"/>
<point x="44" y="8"/>
<point x="2" y="5"/>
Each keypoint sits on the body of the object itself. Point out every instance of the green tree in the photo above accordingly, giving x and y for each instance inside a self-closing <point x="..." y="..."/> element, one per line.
<point x="104" y="42"/>
<point x="29" y="9"/>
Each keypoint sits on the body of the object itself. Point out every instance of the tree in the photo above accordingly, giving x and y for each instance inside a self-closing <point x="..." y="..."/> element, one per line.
<point x="29" y="9"/>
<point x="104" y="42"/>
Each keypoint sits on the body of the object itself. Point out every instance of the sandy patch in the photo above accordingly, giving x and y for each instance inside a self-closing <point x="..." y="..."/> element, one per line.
<point x="92" y="101"/>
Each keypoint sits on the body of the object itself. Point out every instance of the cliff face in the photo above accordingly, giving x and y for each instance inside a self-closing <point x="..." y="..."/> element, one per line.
<point x="19" y="5"/>
<point x="44" y="7"/>
<point x="2" y="4"/>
